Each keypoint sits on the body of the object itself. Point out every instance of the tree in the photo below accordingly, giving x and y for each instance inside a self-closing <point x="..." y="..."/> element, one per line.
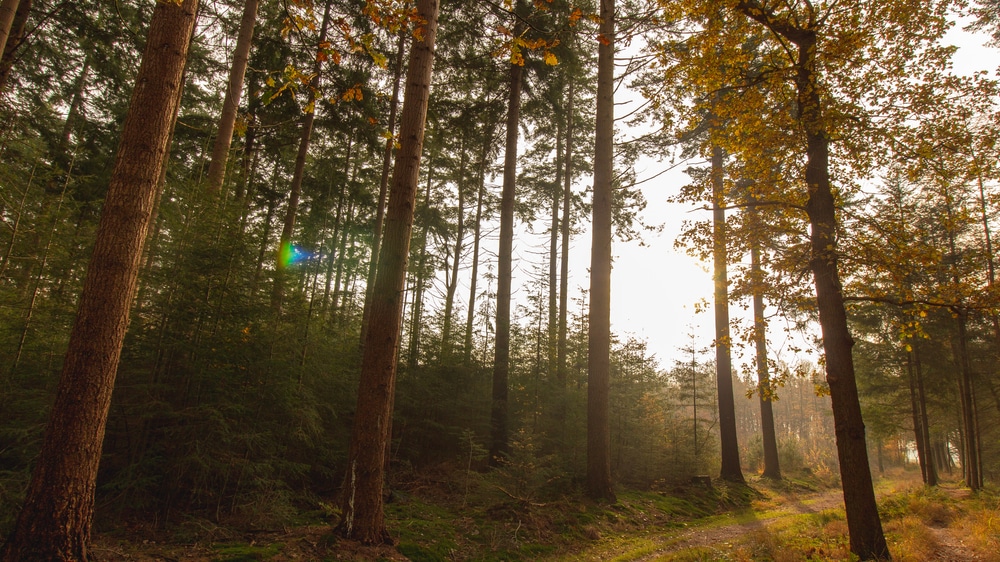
<point x="231" y="99"/>
<point x="362" y="516"/>
<point x="54" y="522"/>
<point x="499" y="445"/>
<point x="865" y="528"/>
<point x="730" y="470"/>
<point x="599" y="485"/>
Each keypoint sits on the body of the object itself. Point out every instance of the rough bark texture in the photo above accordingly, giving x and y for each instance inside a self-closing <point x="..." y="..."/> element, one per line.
<point x="599" y="484"/>
<point x="865" y="527"/>
<point x="362" y="517"/>
<point x="15" y="38"/>
<point x="231" y="102"/>
<point x="382" y="191"/>
<point x="501" y="357"/>
<point x="8" y="8"/>
<point x="54" y="522"/>
<point x="729" y="449"/>
<point x="863" y="523"/>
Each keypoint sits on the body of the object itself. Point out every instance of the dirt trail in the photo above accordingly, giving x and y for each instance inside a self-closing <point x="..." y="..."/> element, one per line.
<point x="950" y="547"/>
<point x="725" y="535"/>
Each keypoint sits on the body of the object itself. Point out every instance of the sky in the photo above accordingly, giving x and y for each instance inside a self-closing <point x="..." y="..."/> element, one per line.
<point x="655" y="286"/>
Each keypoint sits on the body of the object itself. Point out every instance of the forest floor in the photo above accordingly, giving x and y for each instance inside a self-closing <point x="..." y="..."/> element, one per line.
<point x="792" y="520"/>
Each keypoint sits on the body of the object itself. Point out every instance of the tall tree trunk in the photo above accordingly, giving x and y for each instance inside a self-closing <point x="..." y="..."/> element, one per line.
<point x="567" y="219"/>
<point x="413" y="356"/>
<point x="970" y="442"/>
<point x="553" y="321"/>
<point x="865" y="528"/>
<point x="501" y="356"/>
<point x="8" y="9"/>
<point x="932" y="478"/>
<point x="863" y="523"/>
<point x="918" y="429"/>
<point x="383" y="188"/>
<point x="284" y="244"/>
<point x="452" y="281"/>
<point x="15" y="38"/>
<point x="231" y="101"/>
<point x="55" y="520"/>
<point x="599" y="484"/>
<point x="476" y="239"/>
<point x="362" y="516"/>
<point x="730" y="449"/>
<point x="765" y="392"/>
<point x="79" y="87"/>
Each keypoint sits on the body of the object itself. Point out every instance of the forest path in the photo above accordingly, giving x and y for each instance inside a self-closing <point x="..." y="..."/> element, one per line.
<point x="949" y="545"/>
<point x="720" y="539"/>
<point x="782" y="527"/>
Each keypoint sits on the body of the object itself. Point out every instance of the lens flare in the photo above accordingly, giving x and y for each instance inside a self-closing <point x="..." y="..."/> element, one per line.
<point x="291" y="255"/>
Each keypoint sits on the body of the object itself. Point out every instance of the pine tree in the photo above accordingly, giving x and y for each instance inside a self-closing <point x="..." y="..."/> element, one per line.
<point x="55" y="520"/>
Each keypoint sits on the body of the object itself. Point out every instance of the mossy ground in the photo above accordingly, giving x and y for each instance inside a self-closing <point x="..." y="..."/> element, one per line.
<point x="446" y="521"/>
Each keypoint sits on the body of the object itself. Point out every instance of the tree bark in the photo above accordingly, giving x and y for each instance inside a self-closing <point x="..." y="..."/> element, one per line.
<point x="382" y="191"/>
<point x="499" y="446"/>
<point x="284" y="244"/>
<point x="476" y="238"/>
<point x="55" y="520"/>
<point x="932" y="478"/>
<point x="567" y="219"/>
<point x="765" y="392"/>
<point x="452" y="280"/>
<point x="599" y="485"/>
<point x="15" y="37"/>
<point x="863" y="523"/>
<point x="231" y="101"/>
<point x="865" y="528"/>
<point x="730" y="449"/>
<point x="553" y="320"/>
<point x="8" y="9"/>
<point x="362" y="516"/>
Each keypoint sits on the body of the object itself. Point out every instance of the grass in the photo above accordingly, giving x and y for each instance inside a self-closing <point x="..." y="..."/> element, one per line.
<point x="774" y="521"/>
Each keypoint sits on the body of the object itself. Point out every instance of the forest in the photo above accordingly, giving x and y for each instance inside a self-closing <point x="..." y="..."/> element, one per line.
<point x="296" y="280"/>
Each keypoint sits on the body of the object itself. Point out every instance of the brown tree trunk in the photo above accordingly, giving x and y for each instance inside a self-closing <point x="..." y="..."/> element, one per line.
<point x="932" y="478"/>
<point x="567" y="219"/>
<point x="476" y="239"/>
<point x="553" y="320"/>
<point x="452" y="278"/>
<point x="231" y="101"/>
<point x="730" y="449"/>
<point x="54" y="522"/>
<point x="865" y="528"/>
<point x="362" y="516"/>
<point x="284" y="244"/>
<point x="599" y="484"/>
<point x="499" y="446"/>
<point x="765" y="392"/>
<point x="419" y="284"/>
<point x="382" y="191"/>
<point x="15" y="37"/>
<point x="918" y="429"/>
<point x="8" y="9"/>
<point x="863" y="523"/>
